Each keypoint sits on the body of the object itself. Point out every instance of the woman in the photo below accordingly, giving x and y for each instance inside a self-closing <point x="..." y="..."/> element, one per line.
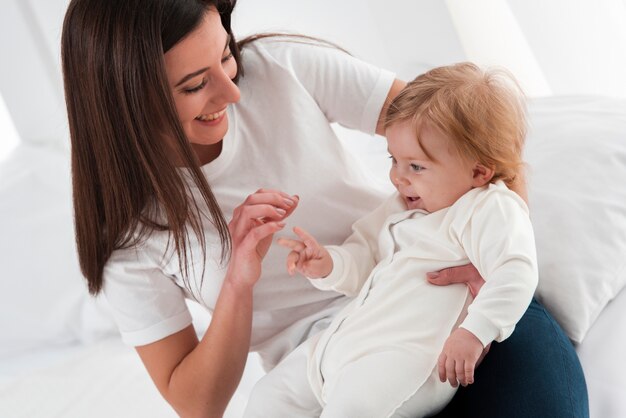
<point x="163" y="152"/>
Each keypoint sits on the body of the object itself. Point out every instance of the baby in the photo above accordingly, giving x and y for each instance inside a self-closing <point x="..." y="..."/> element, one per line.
<point x="455" y="136"/>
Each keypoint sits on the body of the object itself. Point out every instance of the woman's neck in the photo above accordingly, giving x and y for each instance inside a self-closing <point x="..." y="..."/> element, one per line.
<point x="207" y="153"/>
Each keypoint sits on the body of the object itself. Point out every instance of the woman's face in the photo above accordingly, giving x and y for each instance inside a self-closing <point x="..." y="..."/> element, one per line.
<point x="200" y="69"/>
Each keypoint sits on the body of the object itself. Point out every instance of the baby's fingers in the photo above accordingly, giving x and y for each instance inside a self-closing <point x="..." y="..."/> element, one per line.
<point x="292" y="259"/>
<point x="292" y="244"/>
<point x="441" y="366"/>
<point x="307" y="238"/>
<point x="451" y="372"/>
<point x="469" y="372"/>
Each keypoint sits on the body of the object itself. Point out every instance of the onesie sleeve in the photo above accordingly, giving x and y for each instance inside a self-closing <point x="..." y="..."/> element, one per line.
<point x="499" y="242"/>
<point x="354" y="260"/>
<point x="348" y="90"/>
<point x="147" y="304"/>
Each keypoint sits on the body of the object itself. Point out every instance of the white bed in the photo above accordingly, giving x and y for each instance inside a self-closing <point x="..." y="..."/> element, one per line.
<point x="60" y="355"/>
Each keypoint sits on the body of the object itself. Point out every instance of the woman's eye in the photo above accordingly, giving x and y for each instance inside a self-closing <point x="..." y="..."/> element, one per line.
<point x="227" y="57"/>
<point x="416" y="167"/>
<point x="196" y="88"/>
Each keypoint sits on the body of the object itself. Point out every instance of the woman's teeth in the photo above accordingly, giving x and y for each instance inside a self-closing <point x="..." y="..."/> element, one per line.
<point x="211" y="116"/>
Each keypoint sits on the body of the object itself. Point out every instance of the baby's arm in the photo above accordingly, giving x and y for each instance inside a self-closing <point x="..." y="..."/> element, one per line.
<point x="499" y="241"/>
<point x="342" y="268"/>
<point x="459" y="358"/>
<point x="328" y="268"/>
<point x="307" y="256"/>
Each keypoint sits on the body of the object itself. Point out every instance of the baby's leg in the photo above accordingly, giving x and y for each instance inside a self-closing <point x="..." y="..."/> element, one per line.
<point x="285" y="391"/>
<point x="384" y="385"/>
<point x="430" y="398"/>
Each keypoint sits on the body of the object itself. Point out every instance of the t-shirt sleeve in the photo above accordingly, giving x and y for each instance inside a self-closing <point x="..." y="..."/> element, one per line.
<point x="147" y="304"/>
<point x="349" y="91"/>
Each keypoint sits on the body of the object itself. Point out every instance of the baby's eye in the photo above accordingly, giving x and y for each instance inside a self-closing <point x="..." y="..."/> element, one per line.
<point x="416" y="167"/>
<point x="393" y="160"/>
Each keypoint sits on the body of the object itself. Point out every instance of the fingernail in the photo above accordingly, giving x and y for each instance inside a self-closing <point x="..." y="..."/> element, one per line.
<point x="281" y="211"/>
<point x="432" y="275"/>
<point x="281" y="224"/>
<point x="288" y="202"/>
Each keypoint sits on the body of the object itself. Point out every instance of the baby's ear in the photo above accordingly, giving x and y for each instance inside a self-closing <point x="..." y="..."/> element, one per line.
<point x="481" y="175"/>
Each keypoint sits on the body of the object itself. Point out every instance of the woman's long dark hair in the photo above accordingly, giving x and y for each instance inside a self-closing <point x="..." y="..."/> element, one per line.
<point x="126" y="137"/>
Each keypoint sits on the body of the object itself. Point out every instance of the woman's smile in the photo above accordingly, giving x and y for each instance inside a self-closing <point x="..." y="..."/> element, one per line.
<point x="211" y="119"/>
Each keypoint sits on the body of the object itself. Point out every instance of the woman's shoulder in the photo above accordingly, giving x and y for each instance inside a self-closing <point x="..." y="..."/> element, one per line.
<point x="152" y="251"/>
<point x="289" y="43"/>
<point x="290" y="51"/>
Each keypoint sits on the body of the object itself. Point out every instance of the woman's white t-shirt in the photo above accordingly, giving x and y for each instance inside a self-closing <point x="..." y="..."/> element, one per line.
<point x="280" y="138"/>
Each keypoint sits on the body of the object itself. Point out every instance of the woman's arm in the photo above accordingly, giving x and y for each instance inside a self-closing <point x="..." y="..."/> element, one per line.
<point x="198" y="378"/>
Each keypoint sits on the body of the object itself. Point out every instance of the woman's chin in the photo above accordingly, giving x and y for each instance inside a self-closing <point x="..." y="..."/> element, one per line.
<point x="208" y="133"/>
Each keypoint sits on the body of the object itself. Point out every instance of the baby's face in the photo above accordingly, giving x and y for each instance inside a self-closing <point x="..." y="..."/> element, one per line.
<point x="428" y="174"/>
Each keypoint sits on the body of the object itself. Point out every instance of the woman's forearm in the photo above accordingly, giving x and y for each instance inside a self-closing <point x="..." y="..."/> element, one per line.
<point x="198" y="378"/>
<point x="202" y="384"/>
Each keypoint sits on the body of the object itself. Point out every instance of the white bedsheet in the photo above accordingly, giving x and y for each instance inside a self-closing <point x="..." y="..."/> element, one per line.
<point x="101" y="380"/>
<point x="106" y="379"/>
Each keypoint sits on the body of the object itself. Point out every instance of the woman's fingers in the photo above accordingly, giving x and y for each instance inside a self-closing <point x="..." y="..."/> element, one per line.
<point x="272" y="197"/>
<point x="265" y="205"/>
<point x="260" y="232"/>
<point x="251" y="216"/>
<point x="467" y="274"/>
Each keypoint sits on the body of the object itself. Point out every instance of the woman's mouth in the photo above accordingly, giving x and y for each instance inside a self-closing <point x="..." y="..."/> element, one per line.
<point x="211" y="119"/>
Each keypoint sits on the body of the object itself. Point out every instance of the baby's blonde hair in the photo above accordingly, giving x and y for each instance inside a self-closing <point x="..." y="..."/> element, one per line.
<point x="481" y="111"/>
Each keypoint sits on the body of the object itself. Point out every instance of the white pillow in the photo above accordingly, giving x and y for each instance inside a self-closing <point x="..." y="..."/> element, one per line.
<point x="601" y="355"/>
<point x="43" y="296"/>
<point x="576" y="151"/>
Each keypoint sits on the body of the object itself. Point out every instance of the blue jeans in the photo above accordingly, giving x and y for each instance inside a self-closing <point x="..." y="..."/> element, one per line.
<point x="535" y="373"/>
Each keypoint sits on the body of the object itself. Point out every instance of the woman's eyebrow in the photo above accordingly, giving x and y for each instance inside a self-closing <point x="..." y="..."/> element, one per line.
<point x="200" y="71"/>
<point x="191" y="75"/>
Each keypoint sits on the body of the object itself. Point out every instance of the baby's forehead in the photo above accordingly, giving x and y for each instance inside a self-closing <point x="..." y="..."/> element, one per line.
<point x="434" y="142"/>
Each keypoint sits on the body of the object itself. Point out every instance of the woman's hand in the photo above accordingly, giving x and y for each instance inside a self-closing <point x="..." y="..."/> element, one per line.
<point x="252" y="227"/>
<point x="307" y="256"/>
<point x="471" y="277"/>
<point x="463" y="274"/>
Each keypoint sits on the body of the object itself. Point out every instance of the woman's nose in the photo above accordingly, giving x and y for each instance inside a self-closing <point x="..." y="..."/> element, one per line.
<point x="227" y="91"/>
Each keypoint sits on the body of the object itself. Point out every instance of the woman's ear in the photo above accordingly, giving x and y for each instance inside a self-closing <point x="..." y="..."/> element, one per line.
<point x="481" y="175"/>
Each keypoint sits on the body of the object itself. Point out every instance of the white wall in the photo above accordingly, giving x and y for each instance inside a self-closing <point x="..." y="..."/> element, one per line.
<point x="579" y="44"/>
<point x="405" y="36"/>
<point x="560" y="47"/>
<point x="30" y="76"/>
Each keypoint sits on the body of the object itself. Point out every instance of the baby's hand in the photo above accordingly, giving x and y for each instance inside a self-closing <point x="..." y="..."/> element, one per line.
<point x="458" y="359"/>
<point x="307" y="256"/>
